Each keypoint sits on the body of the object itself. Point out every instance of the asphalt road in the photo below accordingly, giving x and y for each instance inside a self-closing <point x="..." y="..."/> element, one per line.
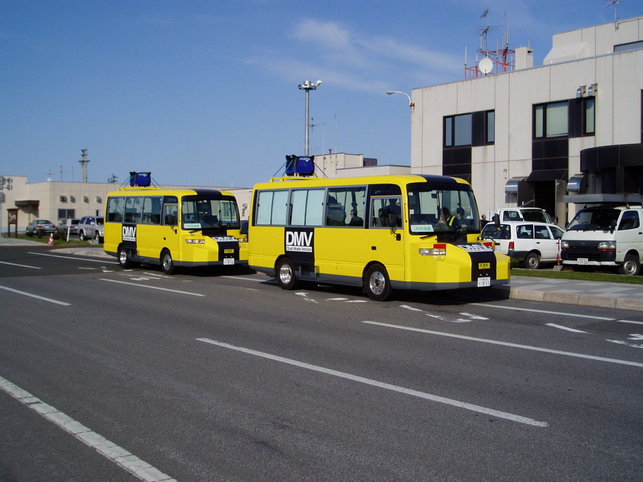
<point x="111" y="374"/>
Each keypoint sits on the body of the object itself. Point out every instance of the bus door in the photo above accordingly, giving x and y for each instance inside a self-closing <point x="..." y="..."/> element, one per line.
<point x="169" y="231"/>
<point x="149" y="226"/>
<point x="386" y="239"/>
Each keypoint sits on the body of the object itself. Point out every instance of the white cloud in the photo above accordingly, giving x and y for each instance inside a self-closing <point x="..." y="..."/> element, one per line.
<point x="355" y="61"/>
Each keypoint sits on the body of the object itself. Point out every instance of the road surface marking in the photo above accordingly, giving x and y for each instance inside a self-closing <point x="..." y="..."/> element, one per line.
<point x="24" y="293"/>
<point x="20" y="265"/>
<point x="545" y="312"/>
<point x="566" y="328"/>
<point x="511" y="345"/>
<point x="152" y="287"/>
<point x="74" y="258"/>
<point x="107" y="449"/>
<point x="387" y="386"/>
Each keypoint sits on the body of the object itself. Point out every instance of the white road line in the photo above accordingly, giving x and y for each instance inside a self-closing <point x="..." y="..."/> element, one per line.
<point x="630" y="321"/>
<point x="246" y="278"/>
<point x="511" y="345"/>
<point x="76" y="258"/>
<point x="386" y="386"/>
<point x="152" y="287"/>
<point x="109" y="450"/>
<point x="24" y="293"/>
<point x="20" y="265"/>
<point x="566" y="328"/>
<point x="545" y="312"/>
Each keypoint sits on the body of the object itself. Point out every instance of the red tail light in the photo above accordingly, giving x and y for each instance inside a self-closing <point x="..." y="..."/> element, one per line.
<point x="512" y="245"/>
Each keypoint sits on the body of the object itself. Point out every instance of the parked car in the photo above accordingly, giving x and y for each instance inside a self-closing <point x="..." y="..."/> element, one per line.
<point x="522" y="214"/>
<point x="40" y="226"/>
<point x="68" y="224"/>
<point x="527" y="243"/>
<point x="91" y="227"/>
<point x="605" y="235"/>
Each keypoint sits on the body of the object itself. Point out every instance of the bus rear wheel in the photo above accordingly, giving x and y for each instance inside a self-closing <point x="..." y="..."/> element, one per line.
<point x="285" y="274"/>
<point x="167" y="263"/>
<point x="377" y="283"/>
<point x="123" y="258"/>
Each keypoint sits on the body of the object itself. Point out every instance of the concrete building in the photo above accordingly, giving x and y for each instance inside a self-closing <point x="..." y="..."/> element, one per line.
<point x="538" y="135"/>
<point x="56" y="201"/>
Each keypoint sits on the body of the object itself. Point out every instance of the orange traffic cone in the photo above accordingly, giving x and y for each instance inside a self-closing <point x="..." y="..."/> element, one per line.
<point x="51" y="239"/>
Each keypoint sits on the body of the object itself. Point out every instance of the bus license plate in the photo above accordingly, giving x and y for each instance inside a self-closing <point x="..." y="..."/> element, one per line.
<point x="484" y="282"/>
<point x="228" y="261"/>
<point x="583" y="260"/>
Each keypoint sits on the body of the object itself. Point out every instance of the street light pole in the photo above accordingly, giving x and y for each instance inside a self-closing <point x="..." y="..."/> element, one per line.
<point x="308" y="86"/>
<point x="411" y="103"/>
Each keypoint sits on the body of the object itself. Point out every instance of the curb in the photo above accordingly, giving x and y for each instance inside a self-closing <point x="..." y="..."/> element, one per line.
<point x="575" y="299"/>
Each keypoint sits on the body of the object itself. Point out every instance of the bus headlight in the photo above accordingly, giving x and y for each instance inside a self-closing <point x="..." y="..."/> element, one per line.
<point x="195" y="241"/>
<point x="436" y="250"/>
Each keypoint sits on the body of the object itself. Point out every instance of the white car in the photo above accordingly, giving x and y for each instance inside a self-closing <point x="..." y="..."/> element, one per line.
<point x="527" y="243"/>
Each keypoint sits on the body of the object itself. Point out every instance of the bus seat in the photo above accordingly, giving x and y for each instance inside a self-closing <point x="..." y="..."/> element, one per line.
<point x="336" y="215"/>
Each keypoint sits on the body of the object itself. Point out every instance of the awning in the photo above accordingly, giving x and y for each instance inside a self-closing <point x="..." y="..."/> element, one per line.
<point x="576" y="183"/>
<point x="27" y="203"/>
<point x="547" y="175"/>
<point x="512" y="185"/>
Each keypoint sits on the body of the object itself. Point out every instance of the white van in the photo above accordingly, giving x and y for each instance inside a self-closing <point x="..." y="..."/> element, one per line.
<point x="521" y="214"/>
<point x="528" y="243"/>
<point x="605" y="235"/>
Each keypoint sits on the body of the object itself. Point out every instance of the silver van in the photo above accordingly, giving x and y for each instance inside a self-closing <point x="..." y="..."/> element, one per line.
<point x="91" y="227"/>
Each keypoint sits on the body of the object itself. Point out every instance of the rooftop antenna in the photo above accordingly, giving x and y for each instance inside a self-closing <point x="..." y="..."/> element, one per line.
<point x="61" y="171"/>
<point x="83" y="162"/>
<point x="614" y="4"/>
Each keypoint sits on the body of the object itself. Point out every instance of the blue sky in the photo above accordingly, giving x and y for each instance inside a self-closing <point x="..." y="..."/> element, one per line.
<point x="205" y="92"/>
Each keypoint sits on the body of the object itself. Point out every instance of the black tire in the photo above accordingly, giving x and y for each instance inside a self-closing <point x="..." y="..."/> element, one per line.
<point x="631" y="265"/>
<point x="167" y="263"/>
<point x="81" y="235"/>
<point x="285" y="274"/>
<point x="532" y="261"/>
<point x="377" y="283"/>
<point x="124" y="259"/>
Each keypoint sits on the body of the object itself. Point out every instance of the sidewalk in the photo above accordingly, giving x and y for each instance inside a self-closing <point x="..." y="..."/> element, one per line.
<point x="584" y="293"/>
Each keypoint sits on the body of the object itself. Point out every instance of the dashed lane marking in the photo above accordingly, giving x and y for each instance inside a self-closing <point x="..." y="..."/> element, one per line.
<point x="386" y="386"/>
<point x="507" y="344"/>
<point x="107" y="449"/>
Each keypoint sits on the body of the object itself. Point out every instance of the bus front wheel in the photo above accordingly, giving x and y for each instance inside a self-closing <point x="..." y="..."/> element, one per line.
<point x="285" y="274"/>
<point x="167" y="263"/>
<point x="377" y="283"/>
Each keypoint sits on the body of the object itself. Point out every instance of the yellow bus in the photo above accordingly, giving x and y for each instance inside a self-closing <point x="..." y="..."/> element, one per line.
<point x="174" y="228"/>
<point x="379" y="232"/>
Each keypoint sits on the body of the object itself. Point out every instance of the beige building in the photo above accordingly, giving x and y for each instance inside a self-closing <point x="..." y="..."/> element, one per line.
<point x="56" y="201"/>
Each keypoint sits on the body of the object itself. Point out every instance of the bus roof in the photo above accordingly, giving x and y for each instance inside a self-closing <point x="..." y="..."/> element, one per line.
<point x="277" y="182"/>
<point x="158" y="191"/>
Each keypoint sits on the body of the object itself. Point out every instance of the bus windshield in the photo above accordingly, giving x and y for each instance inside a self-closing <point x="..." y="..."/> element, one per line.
<point x="443" y="209"/>
<point x="209" y="214"/>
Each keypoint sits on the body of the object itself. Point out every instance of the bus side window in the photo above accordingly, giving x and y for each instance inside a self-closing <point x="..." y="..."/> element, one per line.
<point x="170" y="211"/>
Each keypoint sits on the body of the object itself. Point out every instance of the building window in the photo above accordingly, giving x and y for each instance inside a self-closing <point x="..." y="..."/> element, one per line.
<point x="457" y="130"/>
<point x="473" y="129"/>
<point x="589" y="120"/>
<point x="490" y="126"/>
<point x="551" y="120"/>
<point x="66" y="214"/>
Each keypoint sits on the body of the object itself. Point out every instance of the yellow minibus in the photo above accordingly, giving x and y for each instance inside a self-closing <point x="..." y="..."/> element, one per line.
<point x="174" y="228"/>
<point x="378" y="232"/>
